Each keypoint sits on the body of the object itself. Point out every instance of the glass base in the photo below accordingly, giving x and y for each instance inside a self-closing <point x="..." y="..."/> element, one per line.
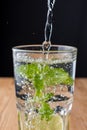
<point x="34" y="122"/>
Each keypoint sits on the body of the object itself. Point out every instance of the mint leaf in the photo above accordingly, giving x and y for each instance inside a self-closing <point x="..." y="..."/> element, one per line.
<point x="38" y="84"/>
<point x="56" y="76"/>
<point x="45" y="111"/>
<point x="43" y="75"/>
<point x="48" y="96"/>
<point x="28" y="71"/>
<point x="46" y="75"/>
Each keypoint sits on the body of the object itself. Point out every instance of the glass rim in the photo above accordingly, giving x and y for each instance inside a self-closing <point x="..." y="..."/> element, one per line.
<point x="67" y="48"/>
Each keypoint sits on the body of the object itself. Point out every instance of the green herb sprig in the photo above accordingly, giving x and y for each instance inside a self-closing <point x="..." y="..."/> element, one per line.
<point x="42" y="76"/>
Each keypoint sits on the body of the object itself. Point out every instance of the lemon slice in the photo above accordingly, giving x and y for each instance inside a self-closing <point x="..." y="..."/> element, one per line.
<point x="55" y="123"/>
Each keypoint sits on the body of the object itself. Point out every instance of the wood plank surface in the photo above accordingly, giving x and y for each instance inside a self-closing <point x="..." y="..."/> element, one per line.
<point x="8" y="112"/>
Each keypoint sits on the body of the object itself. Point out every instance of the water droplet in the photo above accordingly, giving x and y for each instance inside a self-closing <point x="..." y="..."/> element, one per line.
<point x="46" y="46"/>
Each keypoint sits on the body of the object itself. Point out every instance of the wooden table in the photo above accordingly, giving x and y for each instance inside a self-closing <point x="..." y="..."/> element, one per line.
<point x="8" y="112"/>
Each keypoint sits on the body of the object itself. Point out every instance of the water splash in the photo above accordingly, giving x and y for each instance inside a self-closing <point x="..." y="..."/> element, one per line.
<point x="48" y="25"/>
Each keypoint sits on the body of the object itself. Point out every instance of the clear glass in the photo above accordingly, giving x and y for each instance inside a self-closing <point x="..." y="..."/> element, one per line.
<point x="44" y="84"/>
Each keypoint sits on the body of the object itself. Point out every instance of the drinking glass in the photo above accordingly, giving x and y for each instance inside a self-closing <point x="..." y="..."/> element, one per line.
<point x="44" y="84"/>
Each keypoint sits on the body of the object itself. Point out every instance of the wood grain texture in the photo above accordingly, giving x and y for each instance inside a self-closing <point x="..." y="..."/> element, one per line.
<point x="8" y="112"/>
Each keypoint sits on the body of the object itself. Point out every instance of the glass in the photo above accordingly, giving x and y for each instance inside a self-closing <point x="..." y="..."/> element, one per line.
<point x="44" y="84"/>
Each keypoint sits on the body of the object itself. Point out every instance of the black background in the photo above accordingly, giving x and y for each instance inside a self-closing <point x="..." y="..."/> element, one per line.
<point x="23" y="22"/>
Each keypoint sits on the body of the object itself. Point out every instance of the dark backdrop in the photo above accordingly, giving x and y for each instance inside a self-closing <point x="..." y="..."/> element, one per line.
<point x="23" y="22"/>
